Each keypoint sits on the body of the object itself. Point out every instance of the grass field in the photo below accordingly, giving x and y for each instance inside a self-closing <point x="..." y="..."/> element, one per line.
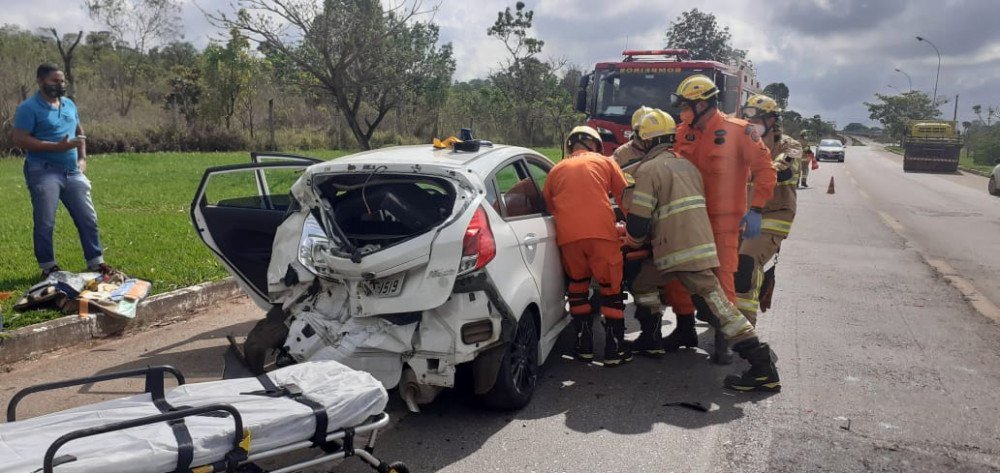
<point x="143" y="203"/>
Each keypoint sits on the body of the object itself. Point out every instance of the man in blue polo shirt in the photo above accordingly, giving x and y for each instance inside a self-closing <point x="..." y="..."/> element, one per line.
<point x="47" y="127"/>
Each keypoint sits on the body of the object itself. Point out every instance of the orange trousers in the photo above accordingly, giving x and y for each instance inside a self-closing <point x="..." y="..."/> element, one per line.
<point x="597" y="259"/>
<point x="727" y="245"/>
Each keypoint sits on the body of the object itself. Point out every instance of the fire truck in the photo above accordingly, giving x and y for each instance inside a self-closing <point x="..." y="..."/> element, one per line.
<point x="614" y="90"/>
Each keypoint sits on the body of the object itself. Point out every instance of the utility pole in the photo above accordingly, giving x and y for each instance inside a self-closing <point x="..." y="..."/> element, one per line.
<point x="954" y="117"/>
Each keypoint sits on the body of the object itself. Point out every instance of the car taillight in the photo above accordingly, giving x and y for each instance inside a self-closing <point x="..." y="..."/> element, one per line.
<point x="478" y="246"/>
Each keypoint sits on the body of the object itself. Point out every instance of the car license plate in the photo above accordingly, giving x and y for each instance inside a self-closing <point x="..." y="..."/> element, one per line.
<point x="385" y="287"/>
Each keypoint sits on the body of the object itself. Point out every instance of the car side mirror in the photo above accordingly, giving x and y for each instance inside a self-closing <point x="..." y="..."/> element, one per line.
<point x="581" y="101"/>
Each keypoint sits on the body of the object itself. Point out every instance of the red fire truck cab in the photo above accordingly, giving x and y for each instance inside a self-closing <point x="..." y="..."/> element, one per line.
<point x="614" y="90"/>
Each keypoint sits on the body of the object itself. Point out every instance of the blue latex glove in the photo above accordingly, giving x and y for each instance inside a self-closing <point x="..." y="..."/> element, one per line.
<point x="751" y="225"/>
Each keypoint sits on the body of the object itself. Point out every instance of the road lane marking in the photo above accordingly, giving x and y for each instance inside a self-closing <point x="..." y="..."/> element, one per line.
<point x="976" y="299"/>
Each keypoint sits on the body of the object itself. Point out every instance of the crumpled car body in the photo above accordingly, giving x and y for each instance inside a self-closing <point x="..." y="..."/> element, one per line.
<point x="405" y="262"/>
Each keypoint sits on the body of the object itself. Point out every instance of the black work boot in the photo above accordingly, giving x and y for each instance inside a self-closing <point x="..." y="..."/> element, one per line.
<point x="762" y="375"/>
<point x="650" y="341"/>
<point x="615" y="350"/>
<point x="584" y="348"/>
<point x="683" y="335"/>
<point x="723" y="355"/>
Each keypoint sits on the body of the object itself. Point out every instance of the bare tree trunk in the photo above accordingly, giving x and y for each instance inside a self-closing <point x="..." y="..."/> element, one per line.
<point x="271" y="145"/>
<point x="67" y="57"/>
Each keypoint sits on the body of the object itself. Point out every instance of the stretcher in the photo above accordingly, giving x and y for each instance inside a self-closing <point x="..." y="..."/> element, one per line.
<point x="227" y="425"/>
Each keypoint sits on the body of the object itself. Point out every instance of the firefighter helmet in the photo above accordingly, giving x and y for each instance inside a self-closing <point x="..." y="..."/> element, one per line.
<point x="694" y="88"/>
<point x="582" y="133"/>
<point x="639" y="113"/>
<point x="760" y="105"/>
<point x="655" y="124"/>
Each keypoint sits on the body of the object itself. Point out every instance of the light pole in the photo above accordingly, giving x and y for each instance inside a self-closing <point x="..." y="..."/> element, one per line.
<point x="908" y="80"/>
<point x="938" y="75"/>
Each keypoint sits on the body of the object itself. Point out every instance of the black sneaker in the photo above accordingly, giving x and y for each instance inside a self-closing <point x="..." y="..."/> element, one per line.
<point x="47" y="272"/>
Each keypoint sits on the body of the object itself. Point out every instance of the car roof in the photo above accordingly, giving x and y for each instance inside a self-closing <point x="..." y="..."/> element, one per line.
<point x="486" y="158"/>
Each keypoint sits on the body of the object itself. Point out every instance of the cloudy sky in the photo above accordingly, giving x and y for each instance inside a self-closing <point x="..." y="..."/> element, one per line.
<point x="832" y="54"/>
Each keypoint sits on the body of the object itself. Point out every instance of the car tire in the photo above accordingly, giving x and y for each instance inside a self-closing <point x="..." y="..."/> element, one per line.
<point x="517" y="377"/>
<point x="840" y="160"/>
<point x="992" y="186"/>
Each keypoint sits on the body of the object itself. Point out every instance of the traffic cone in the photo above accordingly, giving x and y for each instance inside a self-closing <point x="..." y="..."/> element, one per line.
<point x="830" y="190"/>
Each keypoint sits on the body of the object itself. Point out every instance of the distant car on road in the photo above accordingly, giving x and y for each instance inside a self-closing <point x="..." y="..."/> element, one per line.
<point x="830" y="149"/>
<point x="994" y="186"/>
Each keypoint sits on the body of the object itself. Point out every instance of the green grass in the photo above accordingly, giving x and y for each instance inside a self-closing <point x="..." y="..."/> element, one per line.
<point x="143" y="202"/>
<point x="965" y="161"/>
<point x="895" y="149"/>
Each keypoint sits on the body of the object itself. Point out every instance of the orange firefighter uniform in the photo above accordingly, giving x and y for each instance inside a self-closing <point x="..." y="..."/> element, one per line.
<point x="576" y="193"/>
<point x="729" y="154"/>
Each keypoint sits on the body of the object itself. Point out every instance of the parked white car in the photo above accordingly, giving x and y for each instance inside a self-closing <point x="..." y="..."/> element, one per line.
<point x="405" y="262"/>
<point x="994" y="185"/>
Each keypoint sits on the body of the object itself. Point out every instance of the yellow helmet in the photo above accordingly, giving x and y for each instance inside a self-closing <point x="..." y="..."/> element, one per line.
<point x="639" y="112"/>
<point x="694" y="88"/>
<point x="581" y="133"/>
<point x="760" y="104"/>
<point x="655" y="124"/>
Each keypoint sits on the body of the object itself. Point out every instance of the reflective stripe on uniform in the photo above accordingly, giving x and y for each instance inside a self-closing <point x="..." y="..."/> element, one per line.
<point x="686" y="255"/>
<point x="747" y="305"/>
<point x="643" y="199"/>
<point x="649" y="299"/>
<point x="775" y="225"/>
<point x="680" y="205"/>
<point x="789" y="182"/>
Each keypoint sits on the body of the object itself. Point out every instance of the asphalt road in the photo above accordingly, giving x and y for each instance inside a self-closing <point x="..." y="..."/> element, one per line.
<point x="888" y="355"/>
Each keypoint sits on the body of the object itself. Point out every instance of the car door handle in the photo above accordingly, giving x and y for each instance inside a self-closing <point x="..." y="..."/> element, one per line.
<point x="530" y="240"/>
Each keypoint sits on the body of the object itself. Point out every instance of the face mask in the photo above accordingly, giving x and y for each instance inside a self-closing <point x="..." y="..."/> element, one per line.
<point x="687" y="116"/>
<point x="57" y="90"/>
<point x="758" y="128"/>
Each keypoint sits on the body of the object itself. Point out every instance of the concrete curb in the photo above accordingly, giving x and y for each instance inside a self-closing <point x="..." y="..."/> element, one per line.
<point x="974" y="171"/>
<point x="67" y="331"/>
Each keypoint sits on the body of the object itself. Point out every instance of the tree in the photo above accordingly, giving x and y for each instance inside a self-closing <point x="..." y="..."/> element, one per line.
<point x="66" y="53"/>
<point x="779" y="92"/>
<point x="185" y="93"/>
<point x="855" y="127"/>
<point x="136" y="26"/>
<point x="530" y="88"/>
<point x="699" y="33"/>
<point x="364" y="59"/>
<point x="892" y="111"/>
<point x="229" y="74"/>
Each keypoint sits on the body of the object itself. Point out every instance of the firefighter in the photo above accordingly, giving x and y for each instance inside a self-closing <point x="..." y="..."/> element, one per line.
<point x="630" y="153"/>
<point x="576" y="193"/>
<point x="804" y="165"/>
<point x="669" y="210"/>
<point x="729" y="153"/>
<point x="764" y="114"/>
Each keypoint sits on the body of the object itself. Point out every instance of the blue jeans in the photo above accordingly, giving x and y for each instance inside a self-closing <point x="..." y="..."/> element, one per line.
<point x="49" y="184"/>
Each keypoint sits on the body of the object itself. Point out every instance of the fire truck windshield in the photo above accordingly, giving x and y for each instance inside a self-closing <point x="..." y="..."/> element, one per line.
<point x="620" y="93"/>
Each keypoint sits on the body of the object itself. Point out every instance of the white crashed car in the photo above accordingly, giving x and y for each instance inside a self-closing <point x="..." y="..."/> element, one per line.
<point x="404" y="262"/>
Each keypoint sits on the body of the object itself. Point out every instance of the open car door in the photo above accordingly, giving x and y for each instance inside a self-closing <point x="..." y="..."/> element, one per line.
<point x="237" y="210"/>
